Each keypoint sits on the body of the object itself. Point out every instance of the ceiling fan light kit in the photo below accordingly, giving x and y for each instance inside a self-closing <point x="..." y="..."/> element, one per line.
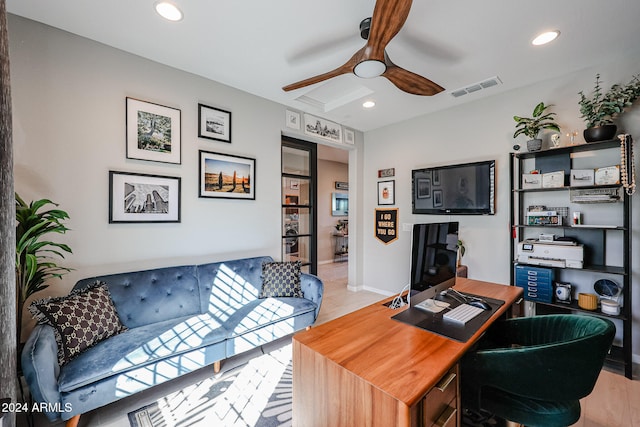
<point x="369" y="68"/>
<point x="372" y="60"/>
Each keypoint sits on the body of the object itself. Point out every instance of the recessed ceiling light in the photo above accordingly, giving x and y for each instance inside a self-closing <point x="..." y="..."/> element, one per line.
<point x="368" y="104"/>
<point x="545" y="38"/>
<point x="169" y="11"/>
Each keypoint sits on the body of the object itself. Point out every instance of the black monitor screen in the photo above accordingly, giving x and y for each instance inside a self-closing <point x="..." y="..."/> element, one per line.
<point x="434" y="255"/>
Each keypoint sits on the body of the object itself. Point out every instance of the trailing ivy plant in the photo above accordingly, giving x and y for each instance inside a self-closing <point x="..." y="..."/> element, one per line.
<point x="35" y="256"/>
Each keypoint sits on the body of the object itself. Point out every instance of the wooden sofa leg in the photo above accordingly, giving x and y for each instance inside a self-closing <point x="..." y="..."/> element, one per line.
<point x="216" y="366"/>
<point x="73" y="422"/>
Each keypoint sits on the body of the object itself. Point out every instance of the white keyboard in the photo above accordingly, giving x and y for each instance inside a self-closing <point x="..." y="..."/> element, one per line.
<point x="462" y="313"/>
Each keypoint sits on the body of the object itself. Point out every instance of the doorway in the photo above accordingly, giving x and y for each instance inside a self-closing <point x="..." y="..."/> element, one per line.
<point x="299" y="203"/>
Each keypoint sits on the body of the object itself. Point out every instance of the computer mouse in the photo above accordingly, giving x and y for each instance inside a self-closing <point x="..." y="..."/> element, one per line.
<point x="480" y="304"/>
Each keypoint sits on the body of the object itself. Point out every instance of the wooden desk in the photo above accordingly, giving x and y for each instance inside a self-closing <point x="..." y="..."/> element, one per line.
<point x="366" y="369"/>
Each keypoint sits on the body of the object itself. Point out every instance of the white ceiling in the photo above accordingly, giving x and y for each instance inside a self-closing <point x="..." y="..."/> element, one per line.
<point x="259" y="46"/>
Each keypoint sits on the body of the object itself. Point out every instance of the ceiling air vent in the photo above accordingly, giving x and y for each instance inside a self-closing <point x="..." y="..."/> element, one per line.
<point x="485" y="84"/>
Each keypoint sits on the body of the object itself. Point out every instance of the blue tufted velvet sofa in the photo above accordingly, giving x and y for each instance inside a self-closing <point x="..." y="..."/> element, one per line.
<point x="179" y="319"/>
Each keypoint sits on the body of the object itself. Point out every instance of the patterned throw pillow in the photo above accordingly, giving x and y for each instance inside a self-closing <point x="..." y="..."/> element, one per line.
<point x="281" y="279"/>
<point x="79" y="320"/>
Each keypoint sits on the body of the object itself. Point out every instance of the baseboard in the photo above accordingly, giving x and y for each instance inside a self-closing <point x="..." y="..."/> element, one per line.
<point x="384" y="292"/>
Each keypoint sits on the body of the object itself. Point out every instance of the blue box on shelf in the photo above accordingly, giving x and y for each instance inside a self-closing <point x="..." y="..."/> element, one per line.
<point x="537" y="282"/>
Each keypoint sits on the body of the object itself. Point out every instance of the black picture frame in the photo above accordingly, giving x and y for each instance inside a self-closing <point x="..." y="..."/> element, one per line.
<point x="214" y="123"/>
<point x="226" y="176"/>
<point x="387" y="192"/>
<point x="153" y="132"/>
<point x="138" y="197"/>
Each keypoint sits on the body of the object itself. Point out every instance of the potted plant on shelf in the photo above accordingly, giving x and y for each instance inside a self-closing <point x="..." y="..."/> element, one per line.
<point x="599" y="110"/>
<point x="531" y="127"/>
<point x="34" y="264"/>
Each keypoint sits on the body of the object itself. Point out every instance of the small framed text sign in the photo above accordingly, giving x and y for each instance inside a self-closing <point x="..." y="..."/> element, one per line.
<point x="386" y="173"/>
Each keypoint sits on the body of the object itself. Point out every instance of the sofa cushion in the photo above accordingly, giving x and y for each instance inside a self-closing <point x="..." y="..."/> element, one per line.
<point x="150" y="296"/>
<point x="228" y="285"/>
<point x="142" y="346"/>
<point x="80" y="320"/>
<point x="281" y="279"/>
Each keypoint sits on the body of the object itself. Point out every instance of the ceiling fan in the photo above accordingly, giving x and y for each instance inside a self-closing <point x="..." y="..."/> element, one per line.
<point x="372" y="60"/>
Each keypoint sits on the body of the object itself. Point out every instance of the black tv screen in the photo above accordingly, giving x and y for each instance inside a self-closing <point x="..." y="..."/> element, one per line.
<point x="434" y="253"/>
<point x="467" y="189"/>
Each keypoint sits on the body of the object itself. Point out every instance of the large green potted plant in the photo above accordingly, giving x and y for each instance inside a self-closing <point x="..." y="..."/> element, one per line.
<point x="531" y="126"/>
<point x="601" y="108"/>
<point x="34" y="255"/>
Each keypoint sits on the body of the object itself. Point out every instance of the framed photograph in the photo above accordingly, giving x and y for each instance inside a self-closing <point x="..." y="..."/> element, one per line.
<point x="136" y="197"/>
<point x="437" y="198"/>
<point x="436" y="178"/>
<point x="322" y="128"/>
<point x="349" y="136"/>
<point x="153" y="132"/>
<point x="224" y="176"/>
<point x="214" y="123"/>
<point x="386" y="192"/>
<point x="423" y="188"/>
<point x="292" y="120"/>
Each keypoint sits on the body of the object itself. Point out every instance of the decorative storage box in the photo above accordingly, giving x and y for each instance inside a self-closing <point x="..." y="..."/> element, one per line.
<point x="537" y="282"/>
<point x="531" y="180"/>
<point x="581" y="177"/>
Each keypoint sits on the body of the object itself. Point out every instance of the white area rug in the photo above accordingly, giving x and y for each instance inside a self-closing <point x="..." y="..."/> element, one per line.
<point x="256" y="394"/>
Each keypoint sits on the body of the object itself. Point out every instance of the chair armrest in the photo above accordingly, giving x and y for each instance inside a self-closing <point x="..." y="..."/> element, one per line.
<point x="312" y="289"/>
<point x="40" y="367"/>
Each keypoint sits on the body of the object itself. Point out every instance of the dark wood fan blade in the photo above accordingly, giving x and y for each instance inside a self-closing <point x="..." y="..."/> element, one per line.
<point x="411" y="82"/>
<point x="347" y="67"/>
<point x="388" y="18"/>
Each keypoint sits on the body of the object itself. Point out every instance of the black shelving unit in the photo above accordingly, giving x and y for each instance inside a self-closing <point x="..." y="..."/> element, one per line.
<point x="595" y="239"/>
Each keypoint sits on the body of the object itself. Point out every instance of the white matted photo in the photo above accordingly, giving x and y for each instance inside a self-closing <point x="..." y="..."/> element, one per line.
<point x="322" y="128"/>
<point x="387" y="192"/>
<point x="293" y="120"/>
<point x="136" y="197"/>
<point x="153" y="132"/>
<point x="214" y="123"/>
<point x="349" y="136"/>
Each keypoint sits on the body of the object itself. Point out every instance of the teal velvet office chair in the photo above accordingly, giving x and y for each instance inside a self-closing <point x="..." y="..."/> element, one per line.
<point x="534" y="370"/>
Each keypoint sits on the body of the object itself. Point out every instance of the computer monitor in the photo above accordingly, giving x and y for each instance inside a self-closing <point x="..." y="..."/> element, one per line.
<point x="434" y="253"/>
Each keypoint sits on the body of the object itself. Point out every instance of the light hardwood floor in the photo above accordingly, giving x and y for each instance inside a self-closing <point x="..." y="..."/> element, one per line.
<point x="614" y="402"/>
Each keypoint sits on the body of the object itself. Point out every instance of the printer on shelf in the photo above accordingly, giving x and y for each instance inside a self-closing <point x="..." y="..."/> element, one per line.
<point x="550" y="254"/>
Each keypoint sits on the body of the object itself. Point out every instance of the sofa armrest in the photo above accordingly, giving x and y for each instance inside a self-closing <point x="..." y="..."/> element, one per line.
<point x="312" y="289"/>
<point x="40" y="367"/>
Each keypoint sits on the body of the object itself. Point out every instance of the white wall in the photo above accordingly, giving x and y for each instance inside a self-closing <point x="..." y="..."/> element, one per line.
<point x="68" y="97"/>
<point x="475" y="131"/>
<point x="69" y="131"/>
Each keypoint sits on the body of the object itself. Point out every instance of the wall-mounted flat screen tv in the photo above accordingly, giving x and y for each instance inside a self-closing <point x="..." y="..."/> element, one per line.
<point x="466" y="189"/>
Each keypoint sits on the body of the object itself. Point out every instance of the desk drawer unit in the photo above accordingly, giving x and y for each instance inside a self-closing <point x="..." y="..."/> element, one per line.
<point x="440" y="405"/>
<point x="537" y="282"/>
